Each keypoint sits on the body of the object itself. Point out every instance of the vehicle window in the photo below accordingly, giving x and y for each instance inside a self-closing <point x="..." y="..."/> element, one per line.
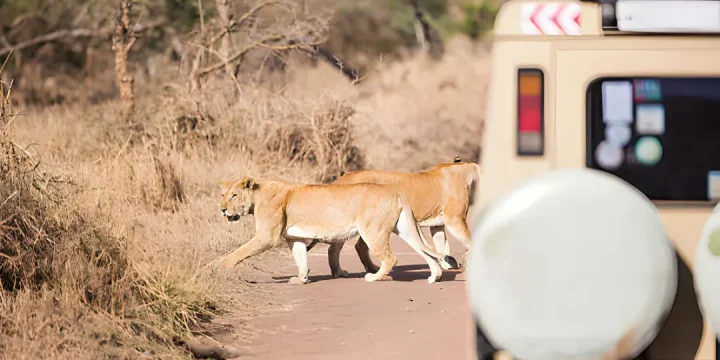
<point x="662" y="135"/>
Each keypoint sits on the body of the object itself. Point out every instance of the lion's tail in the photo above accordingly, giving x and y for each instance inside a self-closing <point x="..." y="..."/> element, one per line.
<point x="474" y="181"/>
<point x="411" y="233"/>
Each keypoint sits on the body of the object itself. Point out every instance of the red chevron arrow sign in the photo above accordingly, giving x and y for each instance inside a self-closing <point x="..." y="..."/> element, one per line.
<point x="551" y="18"/>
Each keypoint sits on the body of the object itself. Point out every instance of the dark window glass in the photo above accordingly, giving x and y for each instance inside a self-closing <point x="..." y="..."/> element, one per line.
<point x="662" y="135"/>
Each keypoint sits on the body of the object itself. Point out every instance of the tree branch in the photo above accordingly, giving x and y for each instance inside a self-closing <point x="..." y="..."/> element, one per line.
<point x="74" y="33"/>
<point x="257" y="8"/>
<point x="260" y="43"/>
<point x="349" y="72"/>
<point x="232" y="24"/>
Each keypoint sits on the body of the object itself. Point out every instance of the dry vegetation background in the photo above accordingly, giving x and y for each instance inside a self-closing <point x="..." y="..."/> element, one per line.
<point x="108" y="204"/>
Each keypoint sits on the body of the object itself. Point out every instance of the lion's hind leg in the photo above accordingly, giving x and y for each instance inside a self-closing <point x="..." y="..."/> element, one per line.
<point x="363" y="252"/>
<point x="334" y="259"/>
<point x="457" y="226"/>
<point x="441" y="244"/>
<point x="380" y="247"/>
<point x="408" y="230"/>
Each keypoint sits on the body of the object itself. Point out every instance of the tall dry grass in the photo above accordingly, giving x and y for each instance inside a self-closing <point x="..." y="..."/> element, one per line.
<point x="106" y="227"/>
<point x="73" y="284"/>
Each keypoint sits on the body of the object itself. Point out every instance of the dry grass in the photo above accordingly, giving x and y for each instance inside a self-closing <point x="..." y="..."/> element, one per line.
<point x="414" y="113"/>
<point x="105" y="228"/>
<point x="71" y="284"/>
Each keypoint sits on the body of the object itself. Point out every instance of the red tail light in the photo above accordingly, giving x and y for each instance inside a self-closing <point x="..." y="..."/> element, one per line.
<point x="530" y="112"/>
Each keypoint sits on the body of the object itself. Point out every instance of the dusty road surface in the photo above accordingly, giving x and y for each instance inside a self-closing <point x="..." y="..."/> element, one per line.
<point x="349" y="319"/>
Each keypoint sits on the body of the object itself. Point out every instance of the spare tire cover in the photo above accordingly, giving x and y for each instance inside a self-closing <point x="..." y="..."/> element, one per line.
<point x="566" y="264"/>
<point x="707" y="270"/>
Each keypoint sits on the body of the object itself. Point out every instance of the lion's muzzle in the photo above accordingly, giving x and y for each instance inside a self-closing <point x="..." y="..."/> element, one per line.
<point x="230" y="217"/>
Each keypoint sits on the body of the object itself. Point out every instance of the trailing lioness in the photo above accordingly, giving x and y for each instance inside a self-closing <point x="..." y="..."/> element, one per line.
<point x="439" y="198"/>
<point x="300" y="213"/>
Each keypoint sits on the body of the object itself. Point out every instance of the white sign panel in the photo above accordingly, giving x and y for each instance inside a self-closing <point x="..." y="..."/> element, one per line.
<point x="559" y="18"/>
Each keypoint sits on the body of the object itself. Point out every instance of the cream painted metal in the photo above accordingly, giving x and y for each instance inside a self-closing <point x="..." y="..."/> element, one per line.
<point x="568" y="262"/>
<point x="570" y="64"/>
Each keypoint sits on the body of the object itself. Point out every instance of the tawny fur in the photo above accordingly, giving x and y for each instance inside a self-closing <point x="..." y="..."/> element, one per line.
<point x="300" y="213"/>
<point x="623" y="348"/>
<point x="439" y="198"/>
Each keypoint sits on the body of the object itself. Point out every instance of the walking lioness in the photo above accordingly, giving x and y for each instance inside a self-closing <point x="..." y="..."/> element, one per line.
<point x="300" y="213"/>
<point x="439" y="198"/>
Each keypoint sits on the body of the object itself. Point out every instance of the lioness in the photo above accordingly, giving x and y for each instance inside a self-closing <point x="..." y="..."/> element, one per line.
<point x="439" y="198"/>
<point x="299" y="213"/>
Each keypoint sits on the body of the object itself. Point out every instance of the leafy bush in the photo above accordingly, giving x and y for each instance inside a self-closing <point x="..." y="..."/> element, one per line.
<point x="479" y="18"/>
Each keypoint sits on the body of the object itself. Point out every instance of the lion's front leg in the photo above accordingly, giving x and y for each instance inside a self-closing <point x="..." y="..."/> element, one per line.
<point x="256" y="245"/>
<point x="299" y="250"/>
<point x="334" y="260"/>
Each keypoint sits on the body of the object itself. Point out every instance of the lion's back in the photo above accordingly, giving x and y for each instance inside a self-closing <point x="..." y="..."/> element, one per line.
<point x="336" y="205"/>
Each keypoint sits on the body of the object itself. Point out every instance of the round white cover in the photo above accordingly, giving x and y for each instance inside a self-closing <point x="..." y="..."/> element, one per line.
<point x="566" y="264"/>
<point x="707" y="270"/>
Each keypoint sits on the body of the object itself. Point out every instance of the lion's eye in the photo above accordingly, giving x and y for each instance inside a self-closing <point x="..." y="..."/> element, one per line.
<point x="233" y="196"/>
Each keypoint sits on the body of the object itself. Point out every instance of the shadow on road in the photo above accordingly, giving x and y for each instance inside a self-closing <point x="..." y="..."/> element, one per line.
<point x="408" y="273"/>
<point x="316" y="278"/>
<point x="404" y="273"/>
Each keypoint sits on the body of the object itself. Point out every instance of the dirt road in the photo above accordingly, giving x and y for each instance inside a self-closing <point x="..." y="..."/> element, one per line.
<point x="349" y="319"/>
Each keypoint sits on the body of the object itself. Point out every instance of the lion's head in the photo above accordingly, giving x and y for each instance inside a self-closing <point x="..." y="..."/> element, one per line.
<point x="237" y="198"/>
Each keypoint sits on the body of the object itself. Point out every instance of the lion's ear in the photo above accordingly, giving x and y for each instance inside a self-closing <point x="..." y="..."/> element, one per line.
<point x="457" y="159"/>
<point x="249" y="183"/>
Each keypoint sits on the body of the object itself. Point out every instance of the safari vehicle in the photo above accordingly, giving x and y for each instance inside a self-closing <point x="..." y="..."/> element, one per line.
<point x="631" y="88"/>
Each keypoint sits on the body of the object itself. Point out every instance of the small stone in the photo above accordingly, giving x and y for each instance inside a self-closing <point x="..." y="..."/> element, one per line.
<point x="412" y="331"/>
<point x="411" y="299"/>
<point x="342" y="344"/>
<point x="444" y="311"/>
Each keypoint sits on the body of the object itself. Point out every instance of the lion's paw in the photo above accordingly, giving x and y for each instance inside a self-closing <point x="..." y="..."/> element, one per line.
<point x="434" y="278"/>
<point x="297" y="281"/>
<point x="370" y="277"/>
<point x="341" y="274"/>
<point x="375" y="277"/>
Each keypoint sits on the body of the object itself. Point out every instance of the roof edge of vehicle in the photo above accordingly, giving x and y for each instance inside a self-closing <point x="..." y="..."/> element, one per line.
<point x="617" y="17"/>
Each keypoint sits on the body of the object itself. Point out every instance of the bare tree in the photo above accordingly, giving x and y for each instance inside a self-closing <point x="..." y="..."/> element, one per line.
<point x="225" y="16"/>
<point x="297" y="35"/>
<point x="427" y="36"/>
<point x="304" y="34"/>
<point x="123" y="40"/>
